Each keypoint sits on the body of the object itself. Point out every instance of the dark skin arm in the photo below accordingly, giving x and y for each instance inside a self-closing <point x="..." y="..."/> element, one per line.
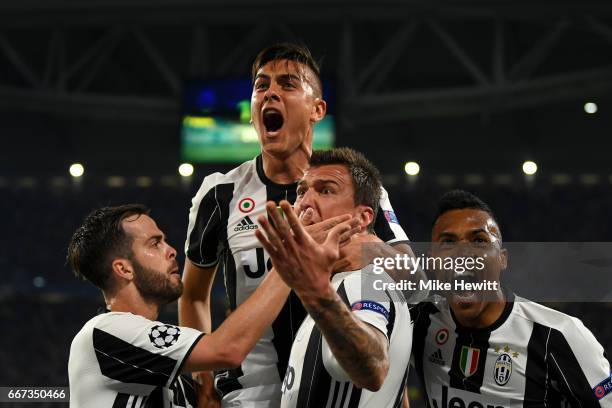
<point x="306" y="266"/>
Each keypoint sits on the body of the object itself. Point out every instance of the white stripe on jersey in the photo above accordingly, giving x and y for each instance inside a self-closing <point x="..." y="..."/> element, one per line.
<point x="309" y="381"/>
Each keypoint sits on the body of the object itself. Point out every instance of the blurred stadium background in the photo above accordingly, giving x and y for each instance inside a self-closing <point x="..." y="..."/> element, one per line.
<point x="468" y="91"/>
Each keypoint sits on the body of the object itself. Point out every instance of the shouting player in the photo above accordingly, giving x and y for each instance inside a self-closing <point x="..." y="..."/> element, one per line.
<point x="496" y="349"/>
<point x="286" y="103"/>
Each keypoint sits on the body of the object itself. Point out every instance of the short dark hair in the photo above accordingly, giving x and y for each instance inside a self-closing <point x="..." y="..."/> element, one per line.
<point x="99" y="240"/>
<point x="289" y="52"/>
<point x="366" y="177"/>
<point x="459" y="200"/>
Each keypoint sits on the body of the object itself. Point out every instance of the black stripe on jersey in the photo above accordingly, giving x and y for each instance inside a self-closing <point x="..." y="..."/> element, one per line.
<point x="225" y="193"/>
<point x="355" y="397"/>
<point x="189" y="389"/>
<point x="178" y="393"/>
<point x="124" y="362"/>
<point x="229" y="275"/>
<point x="286" y="325"/>
<point x="121" y="400"/>
<point x="382" y="228"/>
<point x="155" y="399"/>
<point x="537" y="380"/>
<point x="314" y="391"/>
<point x="420" y="315"/>
<point x="391" y="321"/>
<point x="478" y="339"/>
<point x="227" y="381"/>
<point x="475" y="339"/>
<point x="566" y="369"/>
<point x="334" y="395"/>
<point x="343" y="394"/>
<point x="210" y="225"/>
<point x="342" y="293"/>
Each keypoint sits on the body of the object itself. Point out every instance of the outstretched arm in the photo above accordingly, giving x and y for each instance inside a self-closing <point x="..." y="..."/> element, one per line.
<point x="306" y="266"/>
<point x="228" y="346"/>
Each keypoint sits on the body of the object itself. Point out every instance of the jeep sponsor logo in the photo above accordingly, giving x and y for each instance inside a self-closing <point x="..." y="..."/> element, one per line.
<point x="446" y="397"/>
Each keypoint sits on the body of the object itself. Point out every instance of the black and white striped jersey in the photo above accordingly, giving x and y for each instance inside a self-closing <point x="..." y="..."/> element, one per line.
<point x="533" y="356"/>
<point x="314" y="378"/>
<point x="124" y="360"/>
<point x="222" y="221"/>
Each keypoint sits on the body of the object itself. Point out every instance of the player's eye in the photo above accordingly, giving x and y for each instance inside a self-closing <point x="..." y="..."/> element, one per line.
<point x="479" y="241"/>
<point x="326" y="190"/>
<point x="261" y="85"/>
<point x="446" y="243"/>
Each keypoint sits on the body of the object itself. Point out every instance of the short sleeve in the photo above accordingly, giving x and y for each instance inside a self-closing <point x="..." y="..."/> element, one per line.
<point x="133" y="349"/>
<point x="205" y="224"/>
<point x="376" y="313"/>
<point x="580" y="365"/>
<point x="386" y="225"/>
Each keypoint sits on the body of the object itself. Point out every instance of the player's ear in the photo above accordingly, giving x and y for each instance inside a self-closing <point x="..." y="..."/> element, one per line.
<point x="503" y="258"/>
<point x="319" y="109"/>
<point x="366" y="216"/>
<point x="123" y="269"/>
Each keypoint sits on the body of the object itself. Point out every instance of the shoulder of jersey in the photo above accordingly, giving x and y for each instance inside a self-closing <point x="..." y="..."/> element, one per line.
<point x="231" y="176"/>
<point x="546" y="316"/>
<point x="369" y="275"/>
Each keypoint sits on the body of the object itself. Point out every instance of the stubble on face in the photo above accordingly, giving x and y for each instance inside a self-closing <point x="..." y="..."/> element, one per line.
<point x="159" y="287"/>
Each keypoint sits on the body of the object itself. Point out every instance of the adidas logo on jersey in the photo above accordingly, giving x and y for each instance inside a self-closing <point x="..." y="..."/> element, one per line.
<point x="245" y="225"/>
<point x="437" y="358"/>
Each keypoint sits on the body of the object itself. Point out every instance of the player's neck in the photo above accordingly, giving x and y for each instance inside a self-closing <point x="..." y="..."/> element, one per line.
<point x="287" y="169"/>
<point x="352" y="257"/>
<point x="126" y="300"/>
<point x="490" y="314"/>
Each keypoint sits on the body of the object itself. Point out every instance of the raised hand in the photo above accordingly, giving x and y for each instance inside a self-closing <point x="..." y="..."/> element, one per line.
<point x="318" y="231"/>
<point x="304" y="264"/>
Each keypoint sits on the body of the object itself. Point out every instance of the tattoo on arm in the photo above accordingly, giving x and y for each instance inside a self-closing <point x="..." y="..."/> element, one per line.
<point x="360" y="349"/>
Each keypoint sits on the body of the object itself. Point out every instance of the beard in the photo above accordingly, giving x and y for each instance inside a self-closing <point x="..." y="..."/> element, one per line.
<point x="156" y="286"/>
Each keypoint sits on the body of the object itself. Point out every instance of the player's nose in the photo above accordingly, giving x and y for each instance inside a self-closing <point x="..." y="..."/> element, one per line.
<point x="171" y="252"/>
<point x="306" y="201"/>
<point x="271" y="94"/>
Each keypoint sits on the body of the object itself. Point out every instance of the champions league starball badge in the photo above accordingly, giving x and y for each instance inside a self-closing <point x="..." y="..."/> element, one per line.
<point x="163" y="336"/>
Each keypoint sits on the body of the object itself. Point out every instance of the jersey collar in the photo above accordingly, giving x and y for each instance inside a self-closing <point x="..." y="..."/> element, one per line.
<point x="501" y="320"/>
<point x="264" y="179"/>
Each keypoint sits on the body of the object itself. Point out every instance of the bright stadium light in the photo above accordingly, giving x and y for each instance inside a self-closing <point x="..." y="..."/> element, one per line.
<point x="590" y="107"/>
<point x="185" y="169"/>
<point x="530" y="168"/>
<point x="412" y="168"/>
<point x="76" y="170"/>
